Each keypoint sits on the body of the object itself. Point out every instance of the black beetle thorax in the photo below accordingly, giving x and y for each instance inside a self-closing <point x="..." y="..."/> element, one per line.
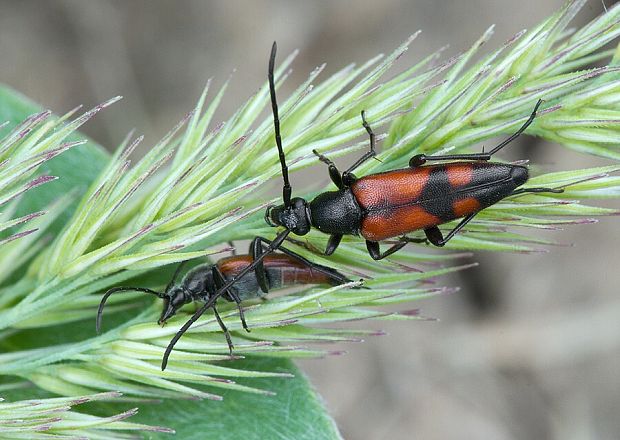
<point x="336" y="212"/>
<point x="198" y="281"/>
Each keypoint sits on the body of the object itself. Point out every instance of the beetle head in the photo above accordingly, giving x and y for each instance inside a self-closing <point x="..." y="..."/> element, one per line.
<point x="295" y="218"/>
<point x="174" y="299"/>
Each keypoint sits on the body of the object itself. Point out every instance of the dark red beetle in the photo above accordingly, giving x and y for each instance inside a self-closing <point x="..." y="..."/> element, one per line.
<point x="390" y="204"/>
<point x="203" y="281"/>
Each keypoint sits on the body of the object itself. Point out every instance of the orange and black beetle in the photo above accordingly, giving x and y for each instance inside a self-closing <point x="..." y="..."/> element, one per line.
<point x="394" y="203"/>
<point x="386" y="205"/>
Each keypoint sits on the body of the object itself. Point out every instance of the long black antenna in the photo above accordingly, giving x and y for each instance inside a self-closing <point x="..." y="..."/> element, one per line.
<point x="114" y="290"/>
<point x="286" y="189"/>
<point x="275" y="244"/>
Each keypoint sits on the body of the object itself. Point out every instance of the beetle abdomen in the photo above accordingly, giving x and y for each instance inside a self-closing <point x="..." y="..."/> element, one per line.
<point x="282" y="271"/>
<point x="401" y="201"/>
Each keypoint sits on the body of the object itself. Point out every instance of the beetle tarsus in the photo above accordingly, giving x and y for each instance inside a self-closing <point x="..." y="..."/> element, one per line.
<point x="224" y="329"/>
<point x="519" y="131"/>
<point x="537" y="190"/>
<point x="420" y="159"/>
<point x="347" y="176"/>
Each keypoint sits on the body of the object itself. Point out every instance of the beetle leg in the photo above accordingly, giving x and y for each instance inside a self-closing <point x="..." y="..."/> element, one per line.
<point x="305" y="244"/>
<point x="332" y="243"/>
<point x="347" y="177"/>
<point x="334" y="174"/>
<point x="219" y="279"/>
<point x="536" y="190"/>
<point x="224" y="329"/>
<point x="376" y="254"/>
<point x="435" y="236"/>
<point x="420" y="159"/>
<point x="256" y="249"/>
<point x="519" y="131"/>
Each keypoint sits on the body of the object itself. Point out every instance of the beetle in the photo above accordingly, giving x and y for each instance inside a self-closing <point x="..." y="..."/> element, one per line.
<point x="388" y="204"/>
<point x="394" y="203"/>
<point x="202" y="282"/>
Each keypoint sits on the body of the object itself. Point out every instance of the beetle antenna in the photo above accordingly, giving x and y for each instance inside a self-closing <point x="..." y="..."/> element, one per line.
<point x="286" y="189"/>
<point x="114" y="290"/>
<point x="275" y="244"/>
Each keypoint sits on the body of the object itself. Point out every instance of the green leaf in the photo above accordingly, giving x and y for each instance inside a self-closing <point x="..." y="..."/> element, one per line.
<point x="294" y="412"/>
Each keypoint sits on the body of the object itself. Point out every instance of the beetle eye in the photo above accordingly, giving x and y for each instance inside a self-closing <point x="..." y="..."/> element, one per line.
<point x="268" y="219"/>
<point x="273" y="215"/>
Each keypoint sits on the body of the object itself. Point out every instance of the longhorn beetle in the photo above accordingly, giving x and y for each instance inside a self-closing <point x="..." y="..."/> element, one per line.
<point x="201" y="282"/>
<point x="389" y="204"/>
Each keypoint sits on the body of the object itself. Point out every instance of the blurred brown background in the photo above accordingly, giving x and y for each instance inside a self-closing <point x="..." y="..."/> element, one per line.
<point x="528" y="349"/>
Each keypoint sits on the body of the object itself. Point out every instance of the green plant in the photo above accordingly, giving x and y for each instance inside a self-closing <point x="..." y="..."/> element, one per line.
<point x="132" y="219"/>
